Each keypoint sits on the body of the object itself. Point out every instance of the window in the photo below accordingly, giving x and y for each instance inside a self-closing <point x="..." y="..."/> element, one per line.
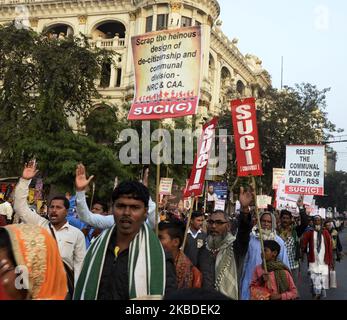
<point x="162" y="20"/>
<point x="186" y="22"/>
<point x="149" y="24"/>
<point x="197" y="23"/>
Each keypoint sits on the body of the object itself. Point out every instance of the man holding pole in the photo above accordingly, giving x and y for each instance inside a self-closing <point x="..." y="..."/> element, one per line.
<point x="220" y="260"/>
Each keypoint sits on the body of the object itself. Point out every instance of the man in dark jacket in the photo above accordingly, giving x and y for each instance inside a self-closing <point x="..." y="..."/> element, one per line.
<point x="195" y="237"/>
<point x="220" y="260"/>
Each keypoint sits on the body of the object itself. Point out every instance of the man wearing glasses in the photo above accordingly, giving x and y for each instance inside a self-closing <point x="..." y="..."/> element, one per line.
<point x="220" y="260"/>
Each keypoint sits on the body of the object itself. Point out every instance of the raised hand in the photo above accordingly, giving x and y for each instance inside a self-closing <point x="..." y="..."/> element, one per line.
<point x="81" y="181"/>
<point x="29" y="170"/>
<point x="145" y="177"/>
<point x="245" y="198"/>
<point x="300" y="201"/>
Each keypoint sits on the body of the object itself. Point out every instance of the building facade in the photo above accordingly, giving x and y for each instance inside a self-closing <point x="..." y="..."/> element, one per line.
<point x="110" y="24"/>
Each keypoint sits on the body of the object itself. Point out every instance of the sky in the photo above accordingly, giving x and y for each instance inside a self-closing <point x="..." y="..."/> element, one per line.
<point x="311" y="36"/>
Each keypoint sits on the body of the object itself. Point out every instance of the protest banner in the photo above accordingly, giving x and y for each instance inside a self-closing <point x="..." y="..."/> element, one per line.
<point x="220" y="188"/>
<point x="165" y="186"/>
<point x="246" y="137"/>
<point x="277" y="174"/>
<point x="197" y="178"/>
<point x="167" y="73"/>
<point x="305" y="170"/>
<point x="322" y="212"/>
<point x="289" y="201"/>
<point x="263" y="201"/>
<point x="219" y="205"/>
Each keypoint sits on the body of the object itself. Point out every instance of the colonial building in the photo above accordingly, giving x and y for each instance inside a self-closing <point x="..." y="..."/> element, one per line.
<point x="111" y="24"/>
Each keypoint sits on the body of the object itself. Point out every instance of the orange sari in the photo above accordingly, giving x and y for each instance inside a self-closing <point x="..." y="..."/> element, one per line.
<point x="36" y="249"/>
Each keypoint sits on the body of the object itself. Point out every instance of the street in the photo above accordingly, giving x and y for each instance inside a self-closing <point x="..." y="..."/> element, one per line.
<point x="340" y="293"/>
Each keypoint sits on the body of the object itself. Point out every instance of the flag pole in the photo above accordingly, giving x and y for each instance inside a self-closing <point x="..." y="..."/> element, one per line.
<point x="157" y="186"/>
<point x="188" y="223"/>
<point x="259" y="225"/>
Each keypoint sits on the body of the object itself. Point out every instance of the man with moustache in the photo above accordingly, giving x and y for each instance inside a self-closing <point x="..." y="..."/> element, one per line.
<point x="126" y="261"/>
<point x="70" y="240"/>
<point x="220" y="260"/>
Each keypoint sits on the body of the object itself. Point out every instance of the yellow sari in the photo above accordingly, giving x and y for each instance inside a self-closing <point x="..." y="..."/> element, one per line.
<point x="36" y="249"/>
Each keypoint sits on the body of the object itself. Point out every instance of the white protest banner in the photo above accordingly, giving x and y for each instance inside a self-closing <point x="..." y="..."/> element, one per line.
<point x="322" y="213"/>
<point x="219" y="205"/>
<point x="305" y="170"/>
<point x="288" y="201"/>
<point x="167" y="73"/>
<point x="165" y="186"/>
<point x="277" y="175"/>
<point x="263" y="201"/>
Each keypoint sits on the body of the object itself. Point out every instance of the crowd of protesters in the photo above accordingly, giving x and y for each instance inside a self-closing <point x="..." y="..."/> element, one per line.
<point x="67" y="251"/>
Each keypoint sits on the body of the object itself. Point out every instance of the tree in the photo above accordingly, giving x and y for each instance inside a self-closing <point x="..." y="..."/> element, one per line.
<point x="335" y="188"/>
<point x="290" y="116"/>
<point x="44" y="82"/>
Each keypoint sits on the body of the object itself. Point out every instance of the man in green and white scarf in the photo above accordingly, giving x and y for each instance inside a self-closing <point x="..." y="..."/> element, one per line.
<point x="126" y="261"/>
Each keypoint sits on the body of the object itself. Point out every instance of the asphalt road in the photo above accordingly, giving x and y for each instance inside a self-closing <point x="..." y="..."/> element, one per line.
<point x="340" y="293"/>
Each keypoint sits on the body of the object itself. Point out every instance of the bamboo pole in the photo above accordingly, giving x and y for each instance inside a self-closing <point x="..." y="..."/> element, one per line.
<point x="157" y="187"/>
<point x="205" y="200"/>
<point x="259" y="225"/>
<point x="188" y="224"/>
<point x="92" y="198"/>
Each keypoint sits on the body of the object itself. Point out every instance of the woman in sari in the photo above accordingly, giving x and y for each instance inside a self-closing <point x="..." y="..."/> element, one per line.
<point x="30" y="264"/>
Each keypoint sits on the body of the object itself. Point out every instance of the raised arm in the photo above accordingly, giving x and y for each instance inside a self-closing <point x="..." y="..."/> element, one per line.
<point x="21" y="194"/>
<point x="244" y="223"/>
<point x="303" y="217"/>
<point x="94" y="220"/>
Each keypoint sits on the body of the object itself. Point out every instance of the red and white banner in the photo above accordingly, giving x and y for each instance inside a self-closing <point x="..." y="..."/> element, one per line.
<point x="246" y="137"/>
<point x="167" y="67"/>
<point x="197" y="178"/>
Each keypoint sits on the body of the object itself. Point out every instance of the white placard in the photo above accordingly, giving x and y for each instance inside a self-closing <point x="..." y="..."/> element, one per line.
<point x="219" y="205"/>
<point x="263" y="201"/>
<point x="305" y="170"/>
<point x="277" y="174"/>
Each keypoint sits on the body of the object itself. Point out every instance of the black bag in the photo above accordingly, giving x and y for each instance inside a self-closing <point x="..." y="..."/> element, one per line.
<point x="70" y="277"/>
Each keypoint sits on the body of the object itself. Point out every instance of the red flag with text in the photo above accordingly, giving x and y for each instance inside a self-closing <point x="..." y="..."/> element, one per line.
<point x="246" y="137"/>
<point x="197" y="178"/>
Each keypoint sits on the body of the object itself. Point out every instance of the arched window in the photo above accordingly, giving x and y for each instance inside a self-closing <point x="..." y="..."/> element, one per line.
<point x="109" y="30"/>
<point x="59" y="30"/>
<point x="240" y="88"/>
<point x="225" y="77"/>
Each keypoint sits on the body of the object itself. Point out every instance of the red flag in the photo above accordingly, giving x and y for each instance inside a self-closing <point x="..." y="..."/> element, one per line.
<point x="246" y="137"/>
<point x="197" y="178"/>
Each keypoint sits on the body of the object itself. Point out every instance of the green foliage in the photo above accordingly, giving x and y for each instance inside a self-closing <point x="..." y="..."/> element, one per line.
<point x="44" y="81"/>
<point x="335" y="188"/>
<point x="291" y="116"/>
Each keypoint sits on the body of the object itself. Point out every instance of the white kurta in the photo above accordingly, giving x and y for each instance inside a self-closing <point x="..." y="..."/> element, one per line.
<point x="319" y="266"/>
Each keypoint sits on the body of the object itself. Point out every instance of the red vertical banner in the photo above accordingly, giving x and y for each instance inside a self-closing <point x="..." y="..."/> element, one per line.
<point x="246" y="137"/>
<point x="197" y="178"/>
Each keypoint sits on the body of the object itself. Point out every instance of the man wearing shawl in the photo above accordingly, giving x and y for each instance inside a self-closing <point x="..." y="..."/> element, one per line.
<point x="320" y="257"/>
<point x="126" y="261"/>
<point x="33" y="248"/>
<point x="253" y="255"/>
<point x="220" y="259"/>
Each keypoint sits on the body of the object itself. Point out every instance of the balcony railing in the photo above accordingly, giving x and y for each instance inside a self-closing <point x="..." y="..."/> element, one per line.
<point x="108" y="43"/>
